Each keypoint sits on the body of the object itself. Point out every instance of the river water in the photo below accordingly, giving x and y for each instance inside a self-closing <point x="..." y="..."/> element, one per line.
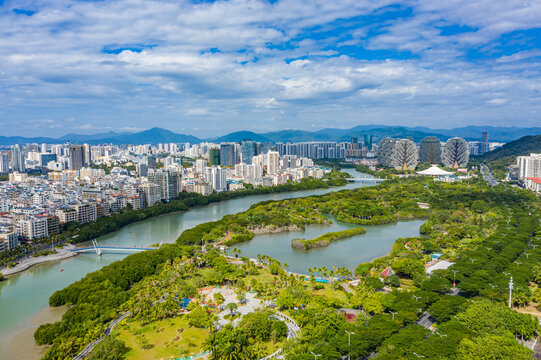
<point x="24" y="296"/>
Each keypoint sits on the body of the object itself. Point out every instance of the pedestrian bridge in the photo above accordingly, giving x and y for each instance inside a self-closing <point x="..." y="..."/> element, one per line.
<point x="366" y="180"/>
<point x="111" y="249"/>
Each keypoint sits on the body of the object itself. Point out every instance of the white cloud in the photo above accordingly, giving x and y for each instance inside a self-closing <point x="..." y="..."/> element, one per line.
<point x="262" y="65"/>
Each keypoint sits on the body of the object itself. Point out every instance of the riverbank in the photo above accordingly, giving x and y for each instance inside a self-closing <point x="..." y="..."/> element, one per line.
<point x="16" y="345"/>
<point x="25" y="264"/>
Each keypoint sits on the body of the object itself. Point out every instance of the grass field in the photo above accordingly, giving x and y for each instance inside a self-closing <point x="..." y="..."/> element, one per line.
<point x="162" y="340"/>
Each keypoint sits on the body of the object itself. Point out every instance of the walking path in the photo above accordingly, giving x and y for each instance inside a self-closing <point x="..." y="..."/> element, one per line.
<point x="63" y="253"/>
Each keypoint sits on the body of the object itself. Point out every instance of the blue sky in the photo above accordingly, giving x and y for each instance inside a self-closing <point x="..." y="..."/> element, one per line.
<point x="208" y="68"/>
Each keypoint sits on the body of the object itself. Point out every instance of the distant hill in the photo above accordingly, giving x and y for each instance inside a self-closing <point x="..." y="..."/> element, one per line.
<point x="495" y="133"/>
<point x="522" y="146"/>
<point x="151" y="136"/>
<point x="241" y="135"/>
<point x="378" y="132"/>
<point x="296" y="136"/>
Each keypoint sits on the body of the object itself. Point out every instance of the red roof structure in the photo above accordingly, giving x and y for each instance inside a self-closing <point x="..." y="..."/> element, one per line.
<point x="536" y="180"/>
<point x="387" y="272"/>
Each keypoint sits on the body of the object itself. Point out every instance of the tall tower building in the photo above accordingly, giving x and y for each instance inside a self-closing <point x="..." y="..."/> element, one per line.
<point x="273" y="162"/>
<point x="4" y="164"/>
<point x="248" y="149"/>
<point x="76" y="157"/>
<point x="484" y="142"/>
<point x="368" y="141"/>
<point x="87" y="158"/>
<point x="17" y="159"/>
<point x="214" y="157"/>
<point x="228" y="154"/>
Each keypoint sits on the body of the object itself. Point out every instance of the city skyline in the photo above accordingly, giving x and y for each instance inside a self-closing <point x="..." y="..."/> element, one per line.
<point x="208" y="68"/>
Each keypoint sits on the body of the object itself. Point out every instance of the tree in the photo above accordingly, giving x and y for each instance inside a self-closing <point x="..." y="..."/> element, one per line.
<point x="199" y="317"/>
<point x="493" y="347"/>
<point x="408" y="267"/>
<point x="110" y="348"/>
<point x="229" y="344"/>
<point x="218" y="298"/>
<point x="232" y="307"/>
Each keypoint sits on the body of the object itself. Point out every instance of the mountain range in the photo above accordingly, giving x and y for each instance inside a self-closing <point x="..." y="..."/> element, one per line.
<point x="159" y="135"/>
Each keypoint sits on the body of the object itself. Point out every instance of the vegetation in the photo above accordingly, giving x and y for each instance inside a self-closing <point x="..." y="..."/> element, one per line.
<point x="500" y="158"/>
<point x="326" y="239"/>
<point x="488" y="232"/>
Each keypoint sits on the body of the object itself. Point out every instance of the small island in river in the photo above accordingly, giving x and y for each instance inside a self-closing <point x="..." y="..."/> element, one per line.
<point x="325" y="239"/>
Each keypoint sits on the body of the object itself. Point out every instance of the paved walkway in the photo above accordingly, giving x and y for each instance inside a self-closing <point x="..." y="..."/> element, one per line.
<point x="252" y="304"/>
<point x="63" y="253"/>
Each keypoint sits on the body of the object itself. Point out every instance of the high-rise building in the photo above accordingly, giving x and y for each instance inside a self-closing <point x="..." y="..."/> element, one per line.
<point x="248" y="149"/>
<point x="45" y="158"/>
<point x="4" y="164"/>
<point x="17" y="159"/>
<point x="214" y="157"/>
<point x="484" y="146"/>
<point x="455" y="153"/>
<point x="76" y="157"/>
<point x="200" y="165"/>
<point x="228" y="154"/>
<point x="149" y="161"/>
<point x="368" y="141"/>
<point x="529" y="166"/>
<point x="430" y="150"/>
<point x="169" y="182"/>
<point x="87" y="158"/>
<point x="152" y="193"/>
<point x="141" y="169"/>
<point x="273" y="162"/>
<point x="216" y="177"/>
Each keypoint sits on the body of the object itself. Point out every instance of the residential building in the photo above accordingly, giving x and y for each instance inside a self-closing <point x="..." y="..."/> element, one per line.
<point x="33" y="228"/>
<point x="216" y="177"/>
<point x="529" y="166"/>
<point x="76" y="157"/>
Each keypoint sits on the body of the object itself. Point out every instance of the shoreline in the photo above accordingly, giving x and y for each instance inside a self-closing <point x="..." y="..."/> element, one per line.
<point x="28" y="263"/>
<point x="17" y="343"/>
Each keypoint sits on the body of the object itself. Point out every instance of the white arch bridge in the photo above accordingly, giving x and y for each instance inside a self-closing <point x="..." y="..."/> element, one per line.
<point x="366" y="180"/>
<point x="110" y="249"/>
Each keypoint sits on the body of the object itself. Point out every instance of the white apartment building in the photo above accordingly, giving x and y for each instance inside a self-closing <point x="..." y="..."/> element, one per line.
<point x="273" y="162"/>
<point x="254" y="171"/>
<point x="152" y="193"/>
<point x="66" y="215"/>
<point x="241" y="169"/>
<point x="216" y="177"/>
<point x="200" y="165"/>
<point x="529" y="166"/>
<point x="9" y="238"/>
<point x="86" y="212"/>
<point x="33" y="228"/>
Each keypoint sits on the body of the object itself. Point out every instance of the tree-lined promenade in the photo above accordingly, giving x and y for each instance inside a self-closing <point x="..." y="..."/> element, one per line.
<point x="489" y="232"/>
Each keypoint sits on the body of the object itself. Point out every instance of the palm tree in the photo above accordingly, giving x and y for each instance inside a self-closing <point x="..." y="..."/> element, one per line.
<point x="232" y="307"/>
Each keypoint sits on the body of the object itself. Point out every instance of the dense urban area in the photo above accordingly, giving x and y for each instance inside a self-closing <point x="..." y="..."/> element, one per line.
<point x="466" y="288"/>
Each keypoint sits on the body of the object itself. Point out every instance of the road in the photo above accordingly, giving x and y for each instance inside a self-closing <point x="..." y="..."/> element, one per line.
<point x="487" y="175"/>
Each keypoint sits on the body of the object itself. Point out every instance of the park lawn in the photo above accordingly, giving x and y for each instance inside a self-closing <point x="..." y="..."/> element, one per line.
<point x="406" y="284"/>
<point x="329" y="292"/>
<point x="189" y="342"/>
